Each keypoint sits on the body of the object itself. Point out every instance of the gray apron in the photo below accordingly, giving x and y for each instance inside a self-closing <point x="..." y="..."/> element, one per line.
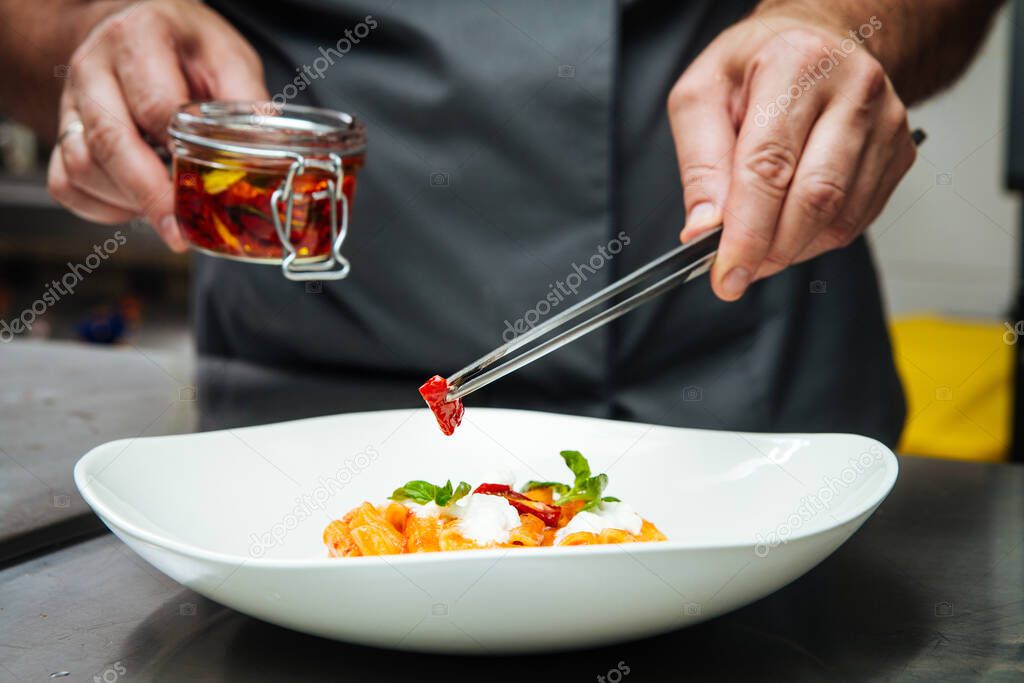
<point x="514" y="146"/>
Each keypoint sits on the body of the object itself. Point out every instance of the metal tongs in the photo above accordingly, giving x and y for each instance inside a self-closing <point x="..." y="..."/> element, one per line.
<point x="679" y="265"/>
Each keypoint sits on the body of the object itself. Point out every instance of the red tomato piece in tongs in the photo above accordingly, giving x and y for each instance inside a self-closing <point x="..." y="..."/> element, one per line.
<point x="448" y="413"/>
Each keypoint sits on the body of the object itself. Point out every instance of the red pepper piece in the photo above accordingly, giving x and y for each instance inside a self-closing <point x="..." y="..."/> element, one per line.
<point x="448" y="413"/>
<point x="549" y="514"/>
<point x="493" y="489"/>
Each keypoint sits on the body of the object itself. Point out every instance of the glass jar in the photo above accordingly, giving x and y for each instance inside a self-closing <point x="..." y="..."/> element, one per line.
<point x="267" y="183"/>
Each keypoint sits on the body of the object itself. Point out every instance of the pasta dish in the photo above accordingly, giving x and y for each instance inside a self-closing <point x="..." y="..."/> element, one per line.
<point x="421" y="517"/>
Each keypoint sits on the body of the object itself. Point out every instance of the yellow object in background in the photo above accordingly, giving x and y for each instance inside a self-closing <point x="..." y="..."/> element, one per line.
<point x="958" y="377"/>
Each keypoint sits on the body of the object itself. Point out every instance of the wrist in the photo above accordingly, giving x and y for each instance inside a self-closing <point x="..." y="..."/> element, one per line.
<point x="850" y="23"/>
<point x="80" y="22"/>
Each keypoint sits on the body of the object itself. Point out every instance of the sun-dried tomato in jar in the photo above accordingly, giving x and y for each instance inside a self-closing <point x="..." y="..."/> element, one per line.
<point x="267" y="183"/>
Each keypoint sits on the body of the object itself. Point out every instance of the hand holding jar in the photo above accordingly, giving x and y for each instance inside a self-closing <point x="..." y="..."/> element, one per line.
<point x="125" y="81"/>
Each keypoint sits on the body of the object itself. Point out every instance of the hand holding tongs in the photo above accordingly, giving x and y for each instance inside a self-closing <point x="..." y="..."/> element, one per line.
<point x="680" y="265"/>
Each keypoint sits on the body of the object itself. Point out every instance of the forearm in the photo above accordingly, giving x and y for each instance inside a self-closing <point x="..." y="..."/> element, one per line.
<point x="37" y="38"/>
<point x="924" y="45"/>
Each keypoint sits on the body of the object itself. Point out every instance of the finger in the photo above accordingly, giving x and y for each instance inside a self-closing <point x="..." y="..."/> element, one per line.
<point x="767" y="152"/>
<point x="705" y="136"/>
<point x="824" y="178"/>
<point x="85" y="175"/>
<point x="887" y="160"/>
<point x="228" y="69"/>
<point x="80" y="203"/>
<point x="77" y="163"/>
<point x="898" y="168"/>
<point x="115" y="146"/>
<point x="150" y="76"/>
<point x="87" y="206"/>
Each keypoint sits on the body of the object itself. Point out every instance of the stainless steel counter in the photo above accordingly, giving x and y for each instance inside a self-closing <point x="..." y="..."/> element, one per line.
<point x="931" y="588"/>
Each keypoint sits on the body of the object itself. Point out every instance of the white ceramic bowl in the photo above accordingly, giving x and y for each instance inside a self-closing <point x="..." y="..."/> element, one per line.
<point x="237" y="516"/>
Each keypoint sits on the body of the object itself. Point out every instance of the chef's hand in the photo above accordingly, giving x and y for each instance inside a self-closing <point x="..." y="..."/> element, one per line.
<point x="125" y="80"/>
<point x="791" y="136"/>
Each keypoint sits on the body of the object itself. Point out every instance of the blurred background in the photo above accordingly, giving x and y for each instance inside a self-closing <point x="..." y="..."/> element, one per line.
<point x="947" y="247"/>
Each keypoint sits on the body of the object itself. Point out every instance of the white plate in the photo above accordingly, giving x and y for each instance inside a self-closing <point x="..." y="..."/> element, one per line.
<point x="238" y="515"/>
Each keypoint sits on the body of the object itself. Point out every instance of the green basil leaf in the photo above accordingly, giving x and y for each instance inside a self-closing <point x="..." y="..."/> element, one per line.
<point x="558" y="488"/>
<point x="571" y="496"/>
<point x="418" y="491"/>
<point x="424" y="492"/>
<point x="610" y="499"/>
<point x="579" y="466"/>
<point x="444" y="494"/>
<point x="461" y="491"/>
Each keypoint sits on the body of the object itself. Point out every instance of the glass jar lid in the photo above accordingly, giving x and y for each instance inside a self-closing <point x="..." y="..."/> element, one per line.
<point x="255" y="127"/>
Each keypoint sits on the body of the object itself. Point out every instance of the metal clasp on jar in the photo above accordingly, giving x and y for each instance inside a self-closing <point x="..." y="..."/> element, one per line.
<point x="336" y="266"/>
